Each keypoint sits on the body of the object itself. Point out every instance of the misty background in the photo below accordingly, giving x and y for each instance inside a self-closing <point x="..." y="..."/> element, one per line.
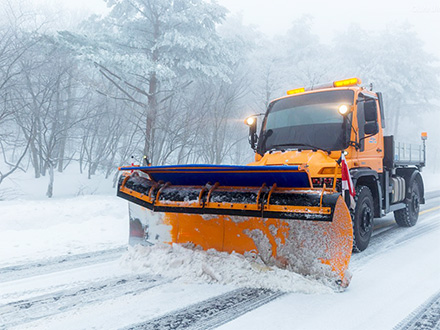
<point x="90" y="86"/>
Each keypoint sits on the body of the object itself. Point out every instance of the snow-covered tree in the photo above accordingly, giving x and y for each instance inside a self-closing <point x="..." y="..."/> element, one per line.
<point x="14" y="45"/>
<point x="150" y="49"/>
<point x="396" y="63"/>
<point x="305" y="58"/>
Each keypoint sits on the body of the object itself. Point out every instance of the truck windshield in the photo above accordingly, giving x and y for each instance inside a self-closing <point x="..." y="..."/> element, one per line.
<point x="309" y="121"/>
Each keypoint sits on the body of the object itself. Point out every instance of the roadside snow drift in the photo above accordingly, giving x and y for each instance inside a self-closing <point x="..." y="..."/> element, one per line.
<point x="39" y="229"/>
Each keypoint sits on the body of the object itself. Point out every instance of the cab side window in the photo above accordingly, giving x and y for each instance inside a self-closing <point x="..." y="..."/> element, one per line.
<point x="366" y="118"/>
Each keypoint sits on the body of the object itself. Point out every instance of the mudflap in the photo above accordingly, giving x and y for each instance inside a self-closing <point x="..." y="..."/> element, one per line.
<point x="321" y="249"/>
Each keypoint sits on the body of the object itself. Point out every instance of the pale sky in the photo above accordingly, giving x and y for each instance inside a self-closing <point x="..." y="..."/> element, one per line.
<point x="275" y="16"/>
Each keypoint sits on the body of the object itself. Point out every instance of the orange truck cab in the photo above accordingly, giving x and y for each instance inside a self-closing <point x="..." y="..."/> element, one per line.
<point x="313" y="126"/>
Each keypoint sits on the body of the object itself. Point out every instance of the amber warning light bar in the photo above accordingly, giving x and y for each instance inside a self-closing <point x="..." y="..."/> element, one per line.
<point x="337" y="83"/>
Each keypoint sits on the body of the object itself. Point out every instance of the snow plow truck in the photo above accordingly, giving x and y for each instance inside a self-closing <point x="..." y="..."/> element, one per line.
<point x="323" y="171"/>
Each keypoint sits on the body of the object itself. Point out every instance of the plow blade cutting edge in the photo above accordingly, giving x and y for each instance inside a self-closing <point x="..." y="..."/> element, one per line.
<point x="269" y="211"/>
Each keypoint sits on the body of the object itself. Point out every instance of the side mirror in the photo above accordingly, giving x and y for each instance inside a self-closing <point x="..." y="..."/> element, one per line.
<point x="370" y="111"/>
<point x="253" y="137"/>
<point x="371" y="128"/>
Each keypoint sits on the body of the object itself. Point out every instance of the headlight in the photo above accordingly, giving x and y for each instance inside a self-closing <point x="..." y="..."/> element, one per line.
<point x="343" y="109"/>
<point x="250" y="121"/>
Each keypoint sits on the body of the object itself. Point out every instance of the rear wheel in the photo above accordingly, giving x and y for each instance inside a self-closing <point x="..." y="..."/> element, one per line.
<point x="408" y="216"/>
<point x="362" y="217"/>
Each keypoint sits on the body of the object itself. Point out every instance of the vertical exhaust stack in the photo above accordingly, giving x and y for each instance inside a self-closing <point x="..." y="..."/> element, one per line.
<point x="270" y="211"/>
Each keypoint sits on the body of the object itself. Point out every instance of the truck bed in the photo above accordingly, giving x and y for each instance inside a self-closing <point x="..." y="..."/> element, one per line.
<point x="398" y="154"/>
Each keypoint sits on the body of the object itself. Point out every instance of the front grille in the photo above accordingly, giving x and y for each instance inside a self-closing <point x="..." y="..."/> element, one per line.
<point x="319" y="183"/>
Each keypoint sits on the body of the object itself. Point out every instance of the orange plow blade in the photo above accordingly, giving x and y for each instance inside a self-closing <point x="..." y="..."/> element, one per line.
<point x="305" y="230"/>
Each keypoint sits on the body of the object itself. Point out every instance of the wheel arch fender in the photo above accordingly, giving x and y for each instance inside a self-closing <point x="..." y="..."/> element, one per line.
<point x="370" y="178"/>
<point x="412" y="175"/>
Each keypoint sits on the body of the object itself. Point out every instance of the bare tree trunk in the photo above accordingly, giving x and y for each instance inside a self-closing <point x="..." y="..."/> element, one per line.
<point x="152" y="104"/>
<point x="49" y="192"/>
<point x="151" y="118"/>
<point x="89" y="171"/>
<point x="35" y="159"/>
<point x="66" y="122"/>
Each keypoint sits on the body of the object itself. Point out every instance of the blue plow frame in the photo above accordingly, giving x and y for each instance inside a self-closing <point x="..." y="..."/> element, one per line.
<point x="227" y="175"/>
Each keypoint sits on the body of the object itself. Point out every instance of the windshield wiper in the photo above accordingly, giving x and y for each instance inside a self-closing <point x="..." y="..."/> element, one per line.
<point x="297" y="145"/>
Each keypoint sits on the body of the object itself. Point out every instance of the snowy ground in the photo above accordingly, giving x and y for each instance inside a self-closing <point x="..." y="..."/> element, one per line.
<point x="64" y="265"/>
<point x="39" y="229"/>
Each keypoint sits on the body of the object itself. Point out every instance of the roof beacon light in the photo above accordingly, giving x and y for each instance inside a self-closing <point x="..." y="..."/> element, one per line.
<point x="296" y="91"/>
<point x="347" y="82"/>
<point x="424" y="135"/>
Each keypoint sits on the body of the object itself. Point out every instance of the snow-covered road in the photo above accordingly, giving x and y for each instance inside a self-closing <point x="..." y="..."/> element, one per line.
<point x="396" y="282"/>
<point x="398" y="274"/>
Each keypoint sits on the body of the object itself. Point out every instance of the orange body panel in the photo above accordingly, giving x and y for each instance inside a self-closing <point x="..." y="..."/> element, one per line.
<point x="308" y="247"/>
<point x="316" y="161"/>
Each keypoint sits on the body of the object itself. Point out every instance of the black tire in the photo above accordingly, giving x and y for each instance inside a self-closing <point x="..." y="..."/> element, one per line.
<point x="362" y="217"/>
<point x="408" y="216"/>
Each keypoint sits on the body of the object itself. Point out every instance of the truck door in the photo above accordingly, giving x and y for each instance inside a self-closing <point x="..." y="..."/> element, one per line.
<point x="370" y="134"/>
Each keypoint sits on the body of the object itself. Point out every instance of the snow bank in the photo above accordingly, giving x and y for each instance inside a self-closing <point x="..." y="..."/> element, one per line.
<point x="197" y="266"/>
<point x="70" y="183"/>
<point x="31" y="230"/>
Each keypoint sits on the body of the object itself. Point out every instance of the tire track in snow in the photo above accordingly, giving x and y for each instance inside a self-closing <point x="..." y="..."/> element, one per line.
<point x="426" y="317"/>
<point x="391" y="225"/>
<point x="395" y="236"/>
<point x="55" y="264"/>
<point x="432" y="194"/>
<point x="27" y="310"/>
<point x="419" y="231"/>
<point x="212" y="312"/>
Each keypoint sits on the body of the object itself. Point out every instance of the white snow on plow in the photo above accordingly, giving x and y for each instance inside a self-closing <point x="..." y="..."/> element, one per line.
<point x="197" y="266"/>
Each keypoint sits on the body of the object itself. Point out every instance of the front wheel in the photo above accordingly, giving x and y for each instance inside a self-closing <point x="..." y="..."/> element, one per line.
<point x="362" y="218"/>
<point x="408" y="216"/>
